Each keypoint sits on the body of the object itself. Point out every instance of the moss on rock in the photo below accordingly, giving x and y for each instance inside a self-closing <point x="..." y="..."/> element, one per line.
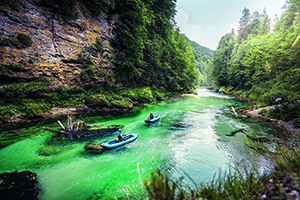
<point x="93" y="147"/>
<point x="35" y="113"/>
<point x="129" y="93"/>
<point x="158" y="95"/>
<point x="145" y="95"/>
<point x="98" y="101"/>
<point x="52" y="150"/>
<point x="121" y="104"/>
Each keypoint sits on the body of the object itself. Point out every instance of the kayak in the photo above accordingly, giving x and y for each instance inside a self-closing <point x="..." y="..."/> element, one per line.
<point x="156" y="118"/>
<point x="115" y="143"/>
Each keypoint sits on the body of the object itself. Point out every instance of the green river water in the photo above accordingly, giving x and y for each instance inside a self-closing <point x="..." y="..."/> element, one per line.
<point x="199" y="150"/>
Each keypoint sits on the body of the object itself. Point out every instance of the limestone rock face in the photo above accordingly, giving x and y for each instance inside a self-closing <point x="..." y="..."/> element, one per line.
<point x="56" y="42"/>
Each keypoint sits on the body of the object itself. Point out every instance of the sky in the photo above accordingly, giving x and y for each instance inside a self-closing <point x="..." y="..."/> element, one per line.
<point x="206" y="21"/>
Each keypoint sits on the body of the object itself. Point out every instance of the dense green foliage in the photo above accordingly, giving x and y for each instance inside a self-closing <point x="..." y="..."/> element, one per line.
<point x="258" y="64"/>
<point x="157" y="55"/>
<point x="203" y="57"/>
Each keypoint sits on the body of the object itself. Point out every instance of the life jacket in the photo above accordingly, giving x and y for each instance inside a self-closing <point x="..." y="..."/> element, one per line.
<point x="119" y="134"/>
<point x="151" y="116"/>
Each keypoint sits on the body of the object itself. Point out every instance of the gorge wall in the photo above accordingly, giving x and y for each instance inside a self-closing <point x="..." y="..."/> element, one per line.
<point x="57" y="43"/>
<point x="89" y="54"/>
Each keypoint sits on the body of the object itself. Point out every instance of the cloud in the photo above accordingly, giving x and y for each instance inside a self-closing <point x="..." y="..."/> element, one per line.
<point x="205" y="22"/>
<point x="205" y="35"/>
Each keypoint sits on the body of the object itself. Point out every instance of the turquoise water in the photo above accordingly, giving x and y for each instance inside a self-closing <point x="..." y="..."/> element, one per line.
<point x="200" y="150"/>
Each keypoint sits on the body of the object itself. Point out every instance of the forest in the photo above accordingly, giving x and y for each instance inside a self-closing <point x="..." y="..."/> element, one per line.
<point x="261" y="62"/>
<point x="203" y="58"/>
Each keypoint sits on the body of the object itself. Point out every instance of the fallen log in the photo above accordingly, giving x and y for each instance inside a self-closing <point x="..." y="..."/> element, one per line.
<point x="54" y="130"/>
<point x="60" y="124"/>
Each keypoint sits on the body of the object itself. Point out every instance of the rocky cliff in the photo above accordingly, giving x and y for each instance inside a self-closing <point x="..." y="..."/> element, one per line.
<point x="56" y="55"/>
<point x="58" y="47"/>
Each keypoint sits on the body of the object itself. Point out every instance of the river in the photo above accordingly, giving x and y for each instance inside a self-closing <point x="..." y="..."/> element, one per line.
<point x="200" y="149"/>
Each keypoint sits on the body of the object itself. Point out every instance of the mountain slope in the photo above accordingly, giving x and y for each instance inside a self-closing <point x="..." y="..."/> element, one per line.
<point x="203" y="57"/>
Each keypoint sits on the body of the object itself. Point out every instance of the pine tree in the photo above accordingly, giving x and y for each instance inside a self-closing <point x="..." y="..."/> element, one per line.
<point x="244" y="20"/>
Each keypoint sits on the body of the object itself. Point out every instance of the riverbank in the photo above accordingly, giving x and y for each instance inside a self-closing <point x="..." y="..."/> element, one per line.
<point x="289" y="142"/>
<point x="57" y="112"/>
<point x="119" y="102"/>
<point x="64" y="111"/>
<point x="287" y="126"/>
<point x="283" y="182"/>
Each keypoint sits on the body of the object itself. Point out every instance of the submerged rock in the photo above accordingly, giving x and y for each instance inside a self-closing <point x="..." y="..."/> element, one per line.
<point x="19" y="185"/>
<point x="182" y="125"/>
<point x="93" y="147"/>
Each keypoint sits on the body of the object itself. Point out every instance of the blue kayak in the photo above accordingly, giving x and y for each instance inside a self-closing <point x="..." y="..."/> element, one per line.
<point x="115" y="143"/>
<point x="155" y="119"/>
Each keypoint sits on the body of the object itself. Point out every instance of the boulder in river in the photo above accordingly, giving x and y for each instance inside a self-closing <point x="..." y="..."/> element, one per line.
<point x="181" y="124"/>
<point x="93" y="147"/>
<point x="19" y="185"/>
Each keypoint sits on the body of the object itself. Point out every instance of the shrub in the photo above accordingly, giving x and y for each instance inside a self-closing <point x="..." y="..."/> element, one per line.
<point x="24" y="39"/>
<point x="286" y="112"/>
<point x="296" y="122"/>
<point x="8" y="42"/>
<point x="263" y="112"/>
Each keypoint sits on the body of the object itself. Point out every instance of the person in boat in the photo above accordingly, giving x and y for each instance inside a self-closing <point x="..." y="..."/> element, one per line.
<point x="120" y="136"/>
<point x="151" y="116"/>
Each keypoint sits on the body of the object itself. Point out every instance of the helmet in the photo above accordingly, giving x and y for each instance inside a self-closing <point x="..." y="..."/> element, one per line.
<point x="120" y="130"/>
<point x="151" y="112"/>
